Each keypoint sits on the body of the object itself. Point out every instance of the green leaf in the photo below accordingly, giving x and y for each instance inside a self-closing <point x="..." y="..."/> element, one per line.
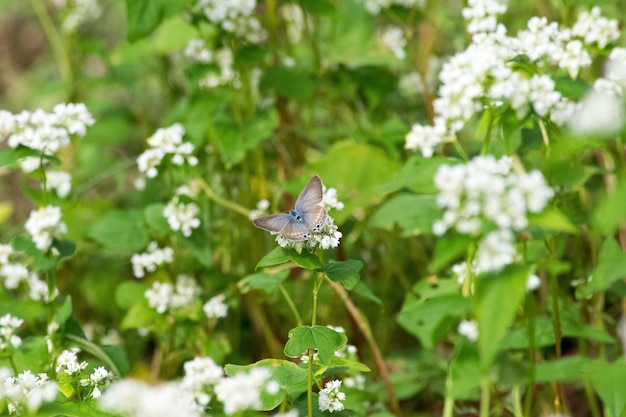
<point x="64" y="312"/>
<point x="607" y="379"/>
<point x="345" y="272"/>
<point x="413" y="214"/>
<point x="497" y="298"/>
<point x="288" y="82"/>
<point x="364" y="291"/>
<point x="129" y="293"/>
<point x="319" y="7"/>
<point x="464" y="369"/>
<point x="65" y="247"/>
<point x="610" y="212"/>
<point x="433" y="311"/>
<point x="120" y="230"/>
<point x="417" y="175"/>
<point x="568" y="369"/>
<point x="41" y="262"/>
<point x="348" y="364"/>
<point x="611" y="268"/>
<point x="141" y="316"/>
<point x="326" y="341"/>
<point x="449" y="248"/>
<point x="553" y="219"/>
<point x="143" y="16"/>
<point x="12" y="156"/>
<point x="357" y="181"/>
<point x="32" y="354"/>
<point x="155" y="218"/>
<point x="65" y="384"/>
<point x="262" y="281"/>
<point x="281" y="255"/>
<point x="118" y="355"/>
<point x="291" y="378"/>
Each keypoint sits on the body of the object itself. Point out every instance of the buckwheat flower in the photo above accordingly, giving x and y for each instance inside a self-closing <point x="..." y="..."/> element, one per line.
<point x="482" y="15"/>
<point x="330" y="398"/>
<point x="328" y="236"/>
<point x="137" y="399"/>
<point x="536" y="191"/>
<point x="8" y="325"/>
<point x="6" y="251"/>
<point x="159" y="296"/>
<point x="599" y="114"/>
<point x="78" y="12"/>
<point x="60" y="182"/>
<point x="45" y="224"/>
<point x="356" y="382"/>
<point x="607" y="86"/>
<point x="30" y="164"/>
<point x="150" y="260"/>
<point x="182" y="216"/>
<point x="291" y="413"/>
<point x="330" y="201"/>
<point x="215" y="307"/>
<point x="495" y="251"/>
<point x="98" y="378"/>
<point x="149" y="160"/>
<point x="542" y="95"/>
<point x="261" y="209"/>
<point x="533" y="282"/>
<point x="13" y="274"/>
<point x="67" y="362"/>
<point x="243" y="390"/>
<point x="393" y="39"/>
<point x="426" y="138"/>
<point x="563" y="111"/>
<point x="615" y="68"/>
<point x="7" y="124"/>
<point x="594" y="28"/>
<point x="469" y="329"/>
<point x="26" y="392"/>
<point x="74" y="116"/>
<point x="201" y="375"/>
<point x="38" y="289"/>
<point x="197" y="50"/>
<point x="573" y="57"/>
<point x="295" y="19"/>
<point x="164" y="142"/>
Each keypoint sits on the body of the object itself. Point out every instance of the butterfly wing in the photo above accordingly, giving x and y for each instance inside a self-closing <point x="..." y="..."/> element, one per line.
<point x="314" y="217"/>
<point x="273" y="223"/>
<point x="311" y="195"/>
<point x="295" y="230"/>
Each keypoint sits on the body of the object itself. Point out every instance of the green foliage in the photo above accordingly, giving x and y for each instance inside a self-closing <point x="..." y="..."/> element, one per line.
<point x="324" y="340"/>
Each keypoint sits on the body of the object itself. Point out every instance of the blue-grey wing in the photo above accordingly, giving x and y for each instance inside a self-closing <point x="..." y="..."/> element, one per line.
<point x="295" y="230"/>
<point x="274" y="222"/>
<point x="314" y="217"/>
<point x="311" y="195"/>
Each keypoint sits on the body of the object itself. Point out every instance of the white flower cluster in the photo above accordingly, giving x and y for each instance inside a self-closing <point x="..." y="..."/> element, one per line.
<point x="227" y="75"/>
<point x="138" y="399"/>
<point x="26" y="392"/>
<point x="234" y="16"/>
<point x="295" y="20"/>
<point x="243" y="390"/>
<point x="485" y="192"/>
<point x="44" y="132"/>
<point x="197" y="50"/>
<point x="60" y="182"/>
<point x="329" y="199"/>
<point x="215" y="307"/>
<point x="8" y="326"/>
<point x="45" y="224"/>
<point x="482" y="71"/>
<point x="148" y="261"/>
<point x="392" y="38"/>
<point x="67" y="362"/>
<point x="326" y="237"/>
<point x="182" y="216"/>
<point x="166" y="142"/>
<point x="375" y="6"/>
<point x="469" y="329"/>
<point x="201" y="375"/>
<point x="165" y="297"/>
<point x="261" y="209"/>
<point x="78" y="12"/>
<point x="98" y="378"/>
<point x="14" y="274"/>
<point x="330" y="398"/>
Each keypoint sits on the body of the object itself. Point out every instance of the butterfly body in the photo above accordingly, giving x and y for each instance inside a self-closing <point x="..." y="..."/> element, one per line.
<point x="307" y="216"/>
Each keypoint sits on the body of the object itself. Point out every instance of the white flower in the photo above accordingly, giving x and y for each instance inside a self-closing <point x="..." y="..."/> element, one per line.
<point x="357" y="382"/>
<point x="74" y="116"/>
<point x="197" y="50"/>
<point x="393" y="39"/>
<point x="261" y="209"/>
<point x="79" y="12"/>
<point x="426" y="138"/>
<point x="234" y="16"/>
<point x="616" y="66"/>
<point x="8" y="325"/>
<point x="595" y="29"/>
<point x="600" y="114"/>
<point x="6" y="251"/>
<point x="533" y="282"/>
<point x="495" y="251"/>
<point x="138" y="399"/>
<point x="182" y="216"/>
<point x="13" y="275"/>
<point x="148" y="261"/>
<point x="330" y="398"/>
<point x="166" y="141"/>
<point x="60" y="182"/>
<point x="482" y="14"/>
<point x="201" y="374"/>
<point x="67" y="362"/>
<point x="330" y="201"/>
<point x="469" y="329"/>
<point x="45" y="224"/>
<point x="242" y="391"/>
<point x="159" y="296"/>
<point x="215" y="307"/>
<point x="26" y="392"/>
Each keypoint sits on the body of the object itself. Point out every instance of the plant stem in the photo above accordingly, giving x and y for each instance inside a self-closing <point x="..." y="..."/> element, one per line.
<point x="309" y="390"/>
<point x="529" y="313"/>
<point x="517" y="402"/>
<point x="448" y="404"/>
<point x="364" y="326"/>
<point x="291" y="304"/>
<point x="54" y="38"/>
<point x="208" y="191"/>
<point x="556" y="323"/>
<point x="484" y="395"/>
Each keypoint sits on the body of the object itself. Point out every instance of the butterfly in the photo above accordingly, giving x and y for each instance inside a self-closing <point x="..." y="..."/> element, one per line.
<point x="307" y="216"/>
